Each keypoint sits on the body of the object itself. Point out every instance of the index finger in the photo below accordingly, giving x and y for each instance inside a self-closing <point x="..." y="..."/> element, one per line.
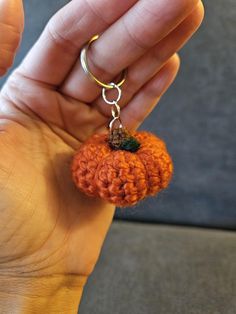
<point x="56" y="51"/>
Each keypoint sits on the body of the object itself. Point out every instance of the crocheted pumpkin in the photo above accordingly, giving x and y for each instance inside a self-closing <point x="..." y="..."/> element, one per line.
<point x="122" y="169"/>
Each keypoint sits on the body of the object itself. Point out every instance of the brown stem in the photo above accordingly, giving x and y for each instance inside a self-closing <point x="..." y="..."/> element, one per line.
<point x="121" y="139"/>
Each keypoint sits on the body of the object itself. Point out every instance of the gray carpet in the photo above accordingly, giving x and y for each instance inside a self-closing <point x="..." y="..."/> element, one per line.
<point x="151" y="269"/>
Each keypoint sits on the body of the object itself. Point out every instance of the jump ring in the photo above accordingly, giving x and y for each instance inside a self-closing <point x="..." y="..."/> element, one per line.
<point x="113" y="102"/>
<point x="84" y="63"/>
<point x="111" y="125"/>
<point x="115" y="111"/>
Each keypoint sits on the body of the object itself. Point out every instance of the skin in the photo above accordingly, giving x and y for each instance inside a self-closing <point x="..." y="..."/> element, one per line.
<point x="51" y="234"/>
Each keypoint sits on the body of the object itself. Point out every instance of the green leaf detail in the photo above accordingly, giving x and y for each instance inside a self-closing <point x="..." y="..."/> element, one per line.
<point x="130" y="144"/>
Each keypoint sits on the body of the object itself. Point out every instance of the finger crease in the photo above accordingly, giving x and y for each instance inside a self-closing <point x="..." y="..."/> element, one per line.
<point x="134" y="38"/>
<point x="61" y="40"/>
<point x="96" y="13"/>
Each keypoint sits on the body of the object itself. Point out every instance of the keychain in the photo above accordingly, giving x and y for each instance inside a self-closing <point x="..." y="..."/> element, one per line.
<point x="120" y="167"/>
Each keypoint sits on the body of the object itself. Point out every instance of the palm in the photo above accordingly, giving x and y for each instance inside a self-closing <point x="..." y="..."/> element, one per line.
<point x="49" y="107"/>
<point x="36" y="185"/>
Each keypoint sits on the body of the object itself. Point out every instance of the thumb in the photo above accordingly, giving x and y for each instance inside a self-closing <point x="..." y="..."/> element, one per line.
<point x="11" y="28"/>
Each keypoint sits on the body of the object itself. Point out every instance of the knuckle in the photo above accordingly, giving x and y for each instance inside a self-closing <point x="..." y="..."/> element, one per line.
<point x="134" y="37"/>
<point x="59" y="37"/>
<point x="97" y="12"/>
<point x="11" y="36"/>
<point x="57" y="31"/>
<point x="12" y="28"/>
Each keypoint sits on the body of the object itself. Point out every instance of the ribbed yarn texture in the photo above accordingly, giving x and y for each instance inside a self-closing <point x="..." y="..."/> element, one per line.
<point x="121" y="177"/>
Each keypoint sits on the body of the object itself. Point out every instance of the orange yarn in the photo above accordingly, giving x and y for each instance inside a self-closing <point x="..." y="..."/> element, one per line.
<point x="119" y="176"/>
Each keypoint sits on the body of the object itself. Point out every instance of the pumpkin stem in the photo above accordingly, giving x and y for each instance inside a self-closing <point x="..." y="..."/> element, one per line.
<point x="121" y="139"/>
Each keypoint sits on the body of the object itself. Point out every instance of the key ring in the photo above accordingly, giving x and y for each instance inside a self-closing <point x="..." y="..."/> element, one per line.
<point x="120" y="167"/>
<point x="84" y="63"/>
<point x="114" y="103"/>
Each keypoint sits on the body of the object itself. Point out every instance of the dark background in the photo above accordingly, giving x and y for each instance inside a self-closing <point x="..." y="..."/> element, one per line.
<point x="196" y="117"/>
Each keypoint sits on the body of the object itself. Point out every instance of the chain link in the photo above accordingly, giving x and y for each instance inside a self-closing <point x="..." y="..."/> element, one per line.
<point x="113" y="102"/>
<point x="115" y="111"/>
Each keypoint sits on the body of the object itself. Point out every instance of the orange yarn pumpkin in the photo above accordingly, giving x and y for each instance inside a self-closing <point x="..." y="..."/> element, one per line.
<point x="119" y="176"/>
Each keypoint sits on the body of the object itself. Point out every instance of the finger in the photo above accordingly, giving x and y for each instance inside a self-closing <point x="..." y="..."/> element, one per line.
<point x="148" y="97"/>
<point x="144" y="102"/>
<point x="11" y="28"/>
<point x="148" y="65"/>
<point x="143" y="26"/>
<point x="52" y="57"/>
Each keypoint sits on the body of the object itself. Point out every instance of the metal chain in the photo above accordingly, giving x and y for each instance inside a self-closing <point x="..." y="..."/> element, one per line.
<point x="115" y="111"/>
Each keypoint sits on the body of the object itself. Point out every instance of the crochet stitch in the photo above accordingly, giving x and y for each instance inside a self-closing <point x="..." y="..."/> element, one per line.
<point x="119" y="176"/>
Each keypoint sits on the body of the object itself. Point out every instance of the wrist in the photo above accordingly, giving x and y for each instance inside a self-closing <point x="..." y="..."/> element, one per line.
<point x="47" y="294"/>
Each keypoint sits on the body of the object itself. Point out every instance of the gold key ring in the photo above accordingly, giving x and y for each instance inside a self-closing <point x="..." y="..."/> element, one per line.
<point x="84" y="63"/>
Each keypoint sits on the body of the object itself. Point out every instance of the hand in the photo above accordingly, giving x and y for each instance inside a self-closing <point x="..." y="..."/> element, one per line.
<point x="48" y="107"/>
